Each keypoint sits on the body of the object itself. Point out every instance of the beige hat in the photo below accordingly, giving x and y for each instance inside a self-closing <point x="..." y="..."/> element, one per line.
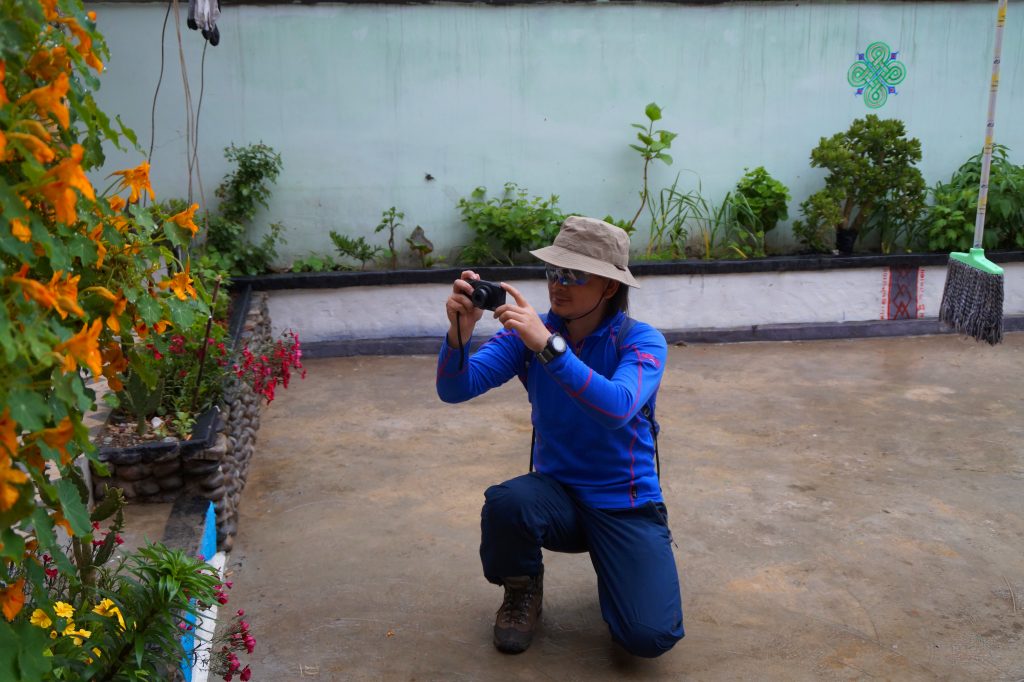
<point x="593" y="246"/>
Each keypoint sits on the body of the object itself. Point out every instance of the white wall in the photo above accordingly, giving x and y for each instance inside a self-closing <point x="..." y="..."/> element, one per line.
<point x="363" y="101"/>
<point x="676" y="302"/>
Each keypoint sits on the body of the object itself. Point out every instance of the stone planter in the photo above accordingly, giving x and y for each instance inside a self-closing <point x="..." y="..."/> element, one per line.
<point x="214" y="463"/>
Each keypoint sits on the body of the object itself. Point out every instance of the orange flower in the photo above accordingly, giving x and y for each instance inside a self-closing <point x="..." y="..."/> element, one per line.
<point x="83" y="347"/>
<point x="66" y="293"/>
<point x="8" y="435"/>
<point x="46" y="65"/>
<point x="33" y="457"/>
<point x="117" y="203"/>
<point x="180" y="284"/>
<point x="20" y="230"/>
<point x="101" y="249"/>
<point x="59" y="520"/>
<point x="58" y="438"/>
<point x="49" y="99"/>
<point x="49" y="9"/>
<point x="12" y="598"/>
<point x="120" y="303"/>
<point x="84" y="46"/>
<point x="160" y="326"/>
<point x="33" y="290"/>
<point x="3" y="91"/>
<point x="36" y="147"/>
<point x="114" y="363"/>
<point x="68" y="176"/>
<point x="186" y="219"/>
<point x="138" y="179"/>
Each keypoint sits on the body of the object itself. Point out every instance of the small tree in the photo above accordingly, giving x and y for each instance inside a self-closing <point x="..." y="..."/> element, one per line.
<point x="871" y="170"/>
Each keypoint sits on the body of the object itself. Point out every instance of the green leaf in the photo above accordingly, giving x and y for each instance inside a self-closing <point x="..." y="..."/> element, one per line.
<point x="653" y="111"/>
<point x="12" y="545"/>
<point x="639" y="125"/>
<point x="43" y="525"/>
<point x="10" y="645"/>
<point x="664" y="157"/>
<point x="28" y="409"/>
<point x="73" y="507"/>
<point x="32" y="642"/>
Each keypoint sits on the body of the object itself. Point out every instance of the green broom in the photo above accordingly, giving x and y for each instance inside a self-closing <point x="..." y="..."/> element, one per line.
<point x="972" y="301"/>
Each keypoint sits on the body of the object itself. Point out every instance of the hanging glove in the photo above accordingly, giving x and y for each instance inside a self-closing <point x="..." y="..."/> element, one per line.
<point x="203" y="15"/>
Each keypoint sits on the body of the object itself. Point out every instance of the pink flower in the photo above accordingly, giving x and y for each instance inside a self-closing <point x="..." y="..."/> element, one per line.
<point x="246" y="674"/>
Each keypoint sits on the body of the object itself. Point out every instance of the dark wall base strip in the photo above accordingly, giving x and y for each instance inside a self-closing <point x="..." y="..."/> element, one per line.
<point x="429" y="345"/>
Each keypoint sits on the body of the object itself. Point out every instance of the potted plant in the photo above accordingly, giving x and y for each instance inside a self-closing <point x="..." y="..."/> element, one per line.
<point x="870" y="170"/>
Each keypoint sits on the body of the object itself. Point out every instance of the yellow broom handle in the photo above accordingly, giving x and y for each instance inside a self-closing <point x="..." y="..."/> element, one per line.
<point x="990" y="129"/>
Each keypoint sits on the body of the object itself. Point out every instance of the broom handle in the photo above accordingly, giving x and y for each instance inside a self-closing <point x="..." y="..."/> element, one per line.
<point x="990" y="129"/>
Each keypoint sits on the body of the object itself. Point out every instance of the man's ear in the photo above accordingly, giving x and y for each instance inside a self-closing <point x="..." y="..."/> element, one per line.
<point x="611" y="289"/>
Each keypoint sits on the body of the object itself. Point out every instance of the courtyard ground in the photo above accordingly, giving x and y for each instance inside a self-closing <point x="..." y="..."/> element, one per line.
<point x="843" y="510"/>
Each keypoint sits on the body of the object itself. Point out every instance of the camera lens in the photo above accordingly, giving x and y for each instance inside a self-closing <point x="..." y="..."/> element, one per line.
<point x="480" y="295"/>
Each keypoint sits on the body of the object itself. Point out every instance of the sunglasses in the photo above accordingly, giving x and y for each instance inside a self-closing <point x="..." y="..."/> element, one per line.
<point x="566" y="277"/>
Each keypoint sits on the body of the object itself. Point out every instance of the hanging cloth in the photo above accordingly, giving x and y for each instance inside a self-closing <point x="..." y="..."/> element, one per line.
<point x="202" y="16"/>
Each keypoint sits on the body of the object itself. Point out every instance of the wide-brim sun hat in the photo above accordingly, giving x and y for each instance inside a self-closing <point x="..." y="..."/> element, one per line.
<point x="593" y="246"/>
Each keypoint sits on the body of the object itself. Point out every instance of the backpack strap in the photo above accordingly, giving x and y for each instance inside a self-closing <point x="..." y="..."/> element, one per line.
<point x="647" y="410"/>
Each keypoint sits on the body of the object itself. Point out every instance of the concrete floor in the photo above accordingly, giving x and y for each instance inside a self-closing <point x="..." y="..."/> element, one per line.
<point x="844" y="510"/>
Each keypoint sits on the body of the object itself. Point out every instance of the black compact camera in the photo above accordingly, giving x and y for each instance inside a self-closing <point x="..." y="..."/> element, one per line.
<point x="487" y="295"/>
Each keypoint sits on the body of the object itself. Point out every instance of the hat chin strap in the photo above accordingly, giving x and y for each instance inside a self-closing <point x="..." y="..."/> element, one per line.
<point x="601" y="300"/>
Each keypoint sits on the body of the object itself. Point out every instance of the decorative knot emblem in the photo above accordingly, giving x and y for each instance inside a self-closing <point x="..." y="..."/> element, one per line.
<point x="876" y="73"/>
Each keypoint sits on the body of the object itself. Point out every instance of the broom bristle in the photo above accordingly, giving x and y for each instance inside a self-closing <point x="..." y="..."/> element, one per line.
<point x="972" y="302"/>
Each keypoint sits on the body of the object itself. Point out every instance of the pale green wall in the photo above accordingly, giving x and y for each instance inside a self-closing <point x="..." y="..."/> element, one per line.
<point x="363" y="100"/>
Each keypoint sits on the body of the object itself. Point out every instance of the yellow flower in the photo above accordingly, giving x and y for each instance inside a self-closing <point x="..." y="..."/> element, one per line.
<point x="84" y="347"/>
<point x="186" y="219"/>
<point x="8" y="434"/>
<point x="107" y="609"/>
<point x="75" y="634"/>
<point x="180" y="284"/>
<point x="49" y="99"/>
<point x="63" y="610"/>
<point x="66" y="177"/>
<point x="99" y="654"/>
<point x="20" y="231"/>
<point x="53" y="634"/>
<point x="12" y="598"/>
<point x="138" y="179"/>
<point x="40" y="619"/>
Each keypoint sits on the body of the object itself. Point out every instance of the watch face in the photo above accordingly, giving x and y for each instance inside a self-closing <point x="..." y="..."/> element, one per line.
<point x="558" y="344"/>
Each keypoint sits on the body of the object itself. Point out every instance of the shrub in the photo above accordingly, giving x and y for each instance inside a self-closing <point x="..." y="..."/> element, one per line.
<point x="506" y="227"/>
<point x="949" y="222"/>
<point x="871" y="169"/>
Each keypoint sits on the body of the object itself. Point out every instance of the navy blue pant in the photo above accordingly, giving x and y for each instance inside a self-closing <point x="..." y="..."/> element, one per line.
<point x="630" y="549"/>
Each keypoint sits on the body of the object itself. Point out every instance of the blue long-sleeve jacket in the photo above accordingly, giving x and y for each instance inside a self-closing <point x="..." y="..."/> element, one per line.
<point x="586" y="405"/>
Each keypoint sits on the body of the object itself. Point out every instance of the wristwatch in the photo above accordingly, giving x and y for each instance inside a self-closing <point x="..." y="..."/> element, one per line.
<point x="555" y="346"/>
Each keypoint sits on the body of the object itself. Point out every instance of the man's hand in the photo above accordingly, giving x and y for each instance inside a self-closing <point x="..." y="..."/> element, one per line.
<point x="521" y="317"/>
<point x="460" y="309"/>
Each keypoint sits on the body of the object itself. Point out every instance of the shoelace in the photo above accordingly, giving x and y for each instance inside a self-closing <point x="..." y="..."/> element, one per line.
<point x="517" y="603"/>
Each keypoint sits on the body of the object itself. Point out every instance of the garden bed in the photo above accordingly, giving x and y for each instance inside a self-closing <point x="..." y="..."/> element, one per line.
<point x="213" y="463"/>
<point x="777" y="298"/>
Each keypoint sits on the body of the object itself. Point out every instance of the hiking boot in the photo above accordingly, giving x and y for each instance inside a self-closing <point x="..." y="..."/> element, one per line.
<point x="519" y="613"/>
